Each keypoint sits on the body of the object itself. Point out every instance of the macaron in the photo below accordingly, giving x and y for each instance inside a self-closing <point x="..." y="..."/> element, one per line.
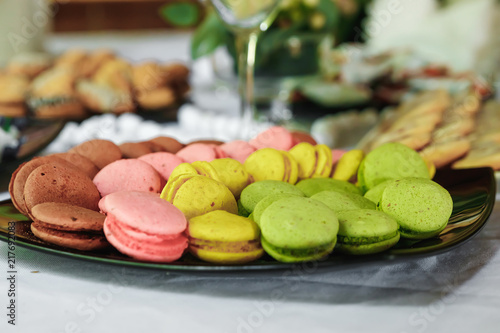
<point x="314" y="161"/>
<point x="100" y="152"/>
<point x="301" y="136"/>
<point x="272" y="164"/>
<point x="58" y="182"/>
<point x="265" y="202"/>
<point x="81" y="162"/>
<point x="134" y="149"/>
<point x="167" y="144"/>
<point x="238" y="150"/>
<point x="341" y="201"/>
<point x="366" y="231"/>
<point x="164" y="163"/>
<point x="198" y="152"/>
<point x="298" y="229"/>
<point x="315" y="185"/>
<point x="275" y="137"/>
<point x="69" y="226"/>
<point x="198" y="195"/>
<point x="255" y="192"/>
<point x="128" y="175"/>
<point x="348" y="164"/>
<point x="19" y="177"/>
<point x="390" y="161"/>
<point x="144" y="226"/>
<point x="375" y="193"/>
<point x="220" y="237"/>
<point x="421" y="207"/>
<point x="232" y="174"/>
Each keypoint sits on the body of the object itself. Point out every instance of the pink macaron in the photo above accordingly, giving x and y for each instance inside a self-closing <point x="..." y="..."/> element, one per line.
<point x="144" y="226"/>
<point x="275" y="137"/>
<point x="164" y="163"/>
<point x="128" y="175"/>
<point x="238" y="150"/>
<point x="198" y="152"/>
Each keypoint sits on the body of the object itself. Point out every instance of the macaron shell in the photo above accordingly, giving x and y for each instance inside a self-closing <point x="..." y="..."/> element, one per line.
<point x="167" y="251"/>
<point x="315" y="185"/>
<point x="275" y="137"/>
<point x="183" y="169"/>
<point x="197" y="152"/>
<point x="164" y="163"/>
<point x="81" y="162"/>
<point x="299" y="223"/>
<point x="145" y="212"/>
<point x="338" y="201"/>
<point x="255" y="192"/>
<point x="100" y="152"/>
<point x="347" y="166"/>
<point x="238" y="150"/>
<point x="366" y="223"/>
<point x="206" y="169"/>
<point x="232" y="174"/>
<point x="56" y="182"/>
<point x="391" y="161"/>
<point x="296" y="256"/>
<point x="306" y="156"/>
<point x="227" y="258"/>
<point x="200" y="195"/>
<point x="266" y="202"/>
<point x="128" y="175"/>
<point x="67" y="217"/>
<point x="421" y="206"/>
<point x="266" y="164"/>
<point x="168" y="144"/>
<point x="324" y="163"/>
<point x="19" y="177"/>
<point x="73" y="240"/>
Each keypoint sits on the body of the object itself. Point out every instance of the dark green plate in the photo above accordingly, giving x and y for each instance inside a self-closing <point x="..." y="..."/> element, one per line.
<point x="473" y="192"/>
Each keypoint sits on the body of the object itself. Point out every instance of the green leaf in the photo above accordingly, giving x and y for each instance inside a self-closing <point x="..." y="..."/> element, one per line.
<point x="181" y="14"/>
<point x="209" y="36"/>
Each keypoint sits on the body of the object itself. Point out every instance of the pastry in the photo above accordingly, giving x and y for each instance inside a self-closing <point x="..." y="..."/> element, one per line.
<point x="223" y="238"/>
<point x="134" y="149"/>
<point x="198" y="195"/>
<point x="315" y="185"/>
<point x="272" y="164"/>
<point x="100" y="152"/>
<point x="144" y="226"/>
<point x="444" y="153"/>
<point x="275" y="137"/>
<point x="366" y="231"/>
<point x="128" y="175"/>
<point x="69" y="226"/>
<point x="232" y="174"/>
<point x="338" y="201"/>
<point x="28" y="64"/>
<point x="296" y="229"/>
<point x="164" y="163"/>
<point x="238" y="150"/>
<point x="421" y="207"/>
<point x="13" y="88"/>
<point x="58" y="182"/>
<point x="390" y="161"/>
<point x="253" y="193"/>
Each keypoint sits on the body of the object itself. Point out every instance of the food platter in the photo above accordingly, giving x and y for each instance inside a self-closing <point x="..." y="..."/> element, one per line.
<point x="473" y="192"/>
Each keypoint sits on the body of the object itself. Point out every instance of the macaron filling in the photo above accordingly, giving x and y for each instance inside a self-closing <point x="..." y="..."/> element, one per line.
<point x="226" y="247"/>
<point x="365" y="240"/>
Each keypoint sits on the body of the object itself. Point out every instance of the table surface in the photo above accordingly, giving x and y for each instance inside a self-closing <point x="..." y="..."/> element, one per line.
<point x="456" y="291"/>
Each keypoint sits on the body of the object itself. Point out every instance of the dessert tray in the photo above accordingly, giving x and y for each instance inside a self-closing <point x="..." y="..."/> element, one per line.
<point x="473" y="192"/>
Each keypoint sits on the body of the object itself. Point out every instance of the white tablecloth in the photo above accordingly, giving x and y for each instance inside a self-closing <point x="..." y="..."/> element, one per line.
<point x="458" y="291"/>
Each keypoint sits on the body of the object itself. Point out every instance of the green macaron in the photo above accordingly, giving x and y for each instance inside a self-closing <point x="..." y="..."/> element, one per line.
<point x="266" y="202"/>
<point x="421" y="207"/>
<point x="255" y="192"/>
<point x="375" y="193"/>
<point x="338" y="201"/>
<point x="390" y="161"/>
<point x="298" y="229"/>
<point x="366" y="231"/>
<point x="315" y="185"/>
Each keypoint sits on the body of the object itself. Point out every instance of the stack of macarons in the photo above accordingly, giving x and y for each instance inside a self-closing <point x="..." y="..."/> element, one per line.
<point x="229" y="203"/>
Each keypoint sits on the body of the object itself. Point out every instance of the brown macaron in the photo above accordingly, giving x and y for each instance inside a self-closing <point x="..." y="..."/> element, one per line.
<point x="100" y="152"/>
<point x="167" y="144"/>
<point x="81" y="162"/>
<point x="299" y="136"/>
<point x="56" y="182"/>
<point x="134" y="149"/>
<point x="20" y="175"/>
<point x="208" y="142"/>
<point x="69" y="226"/>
